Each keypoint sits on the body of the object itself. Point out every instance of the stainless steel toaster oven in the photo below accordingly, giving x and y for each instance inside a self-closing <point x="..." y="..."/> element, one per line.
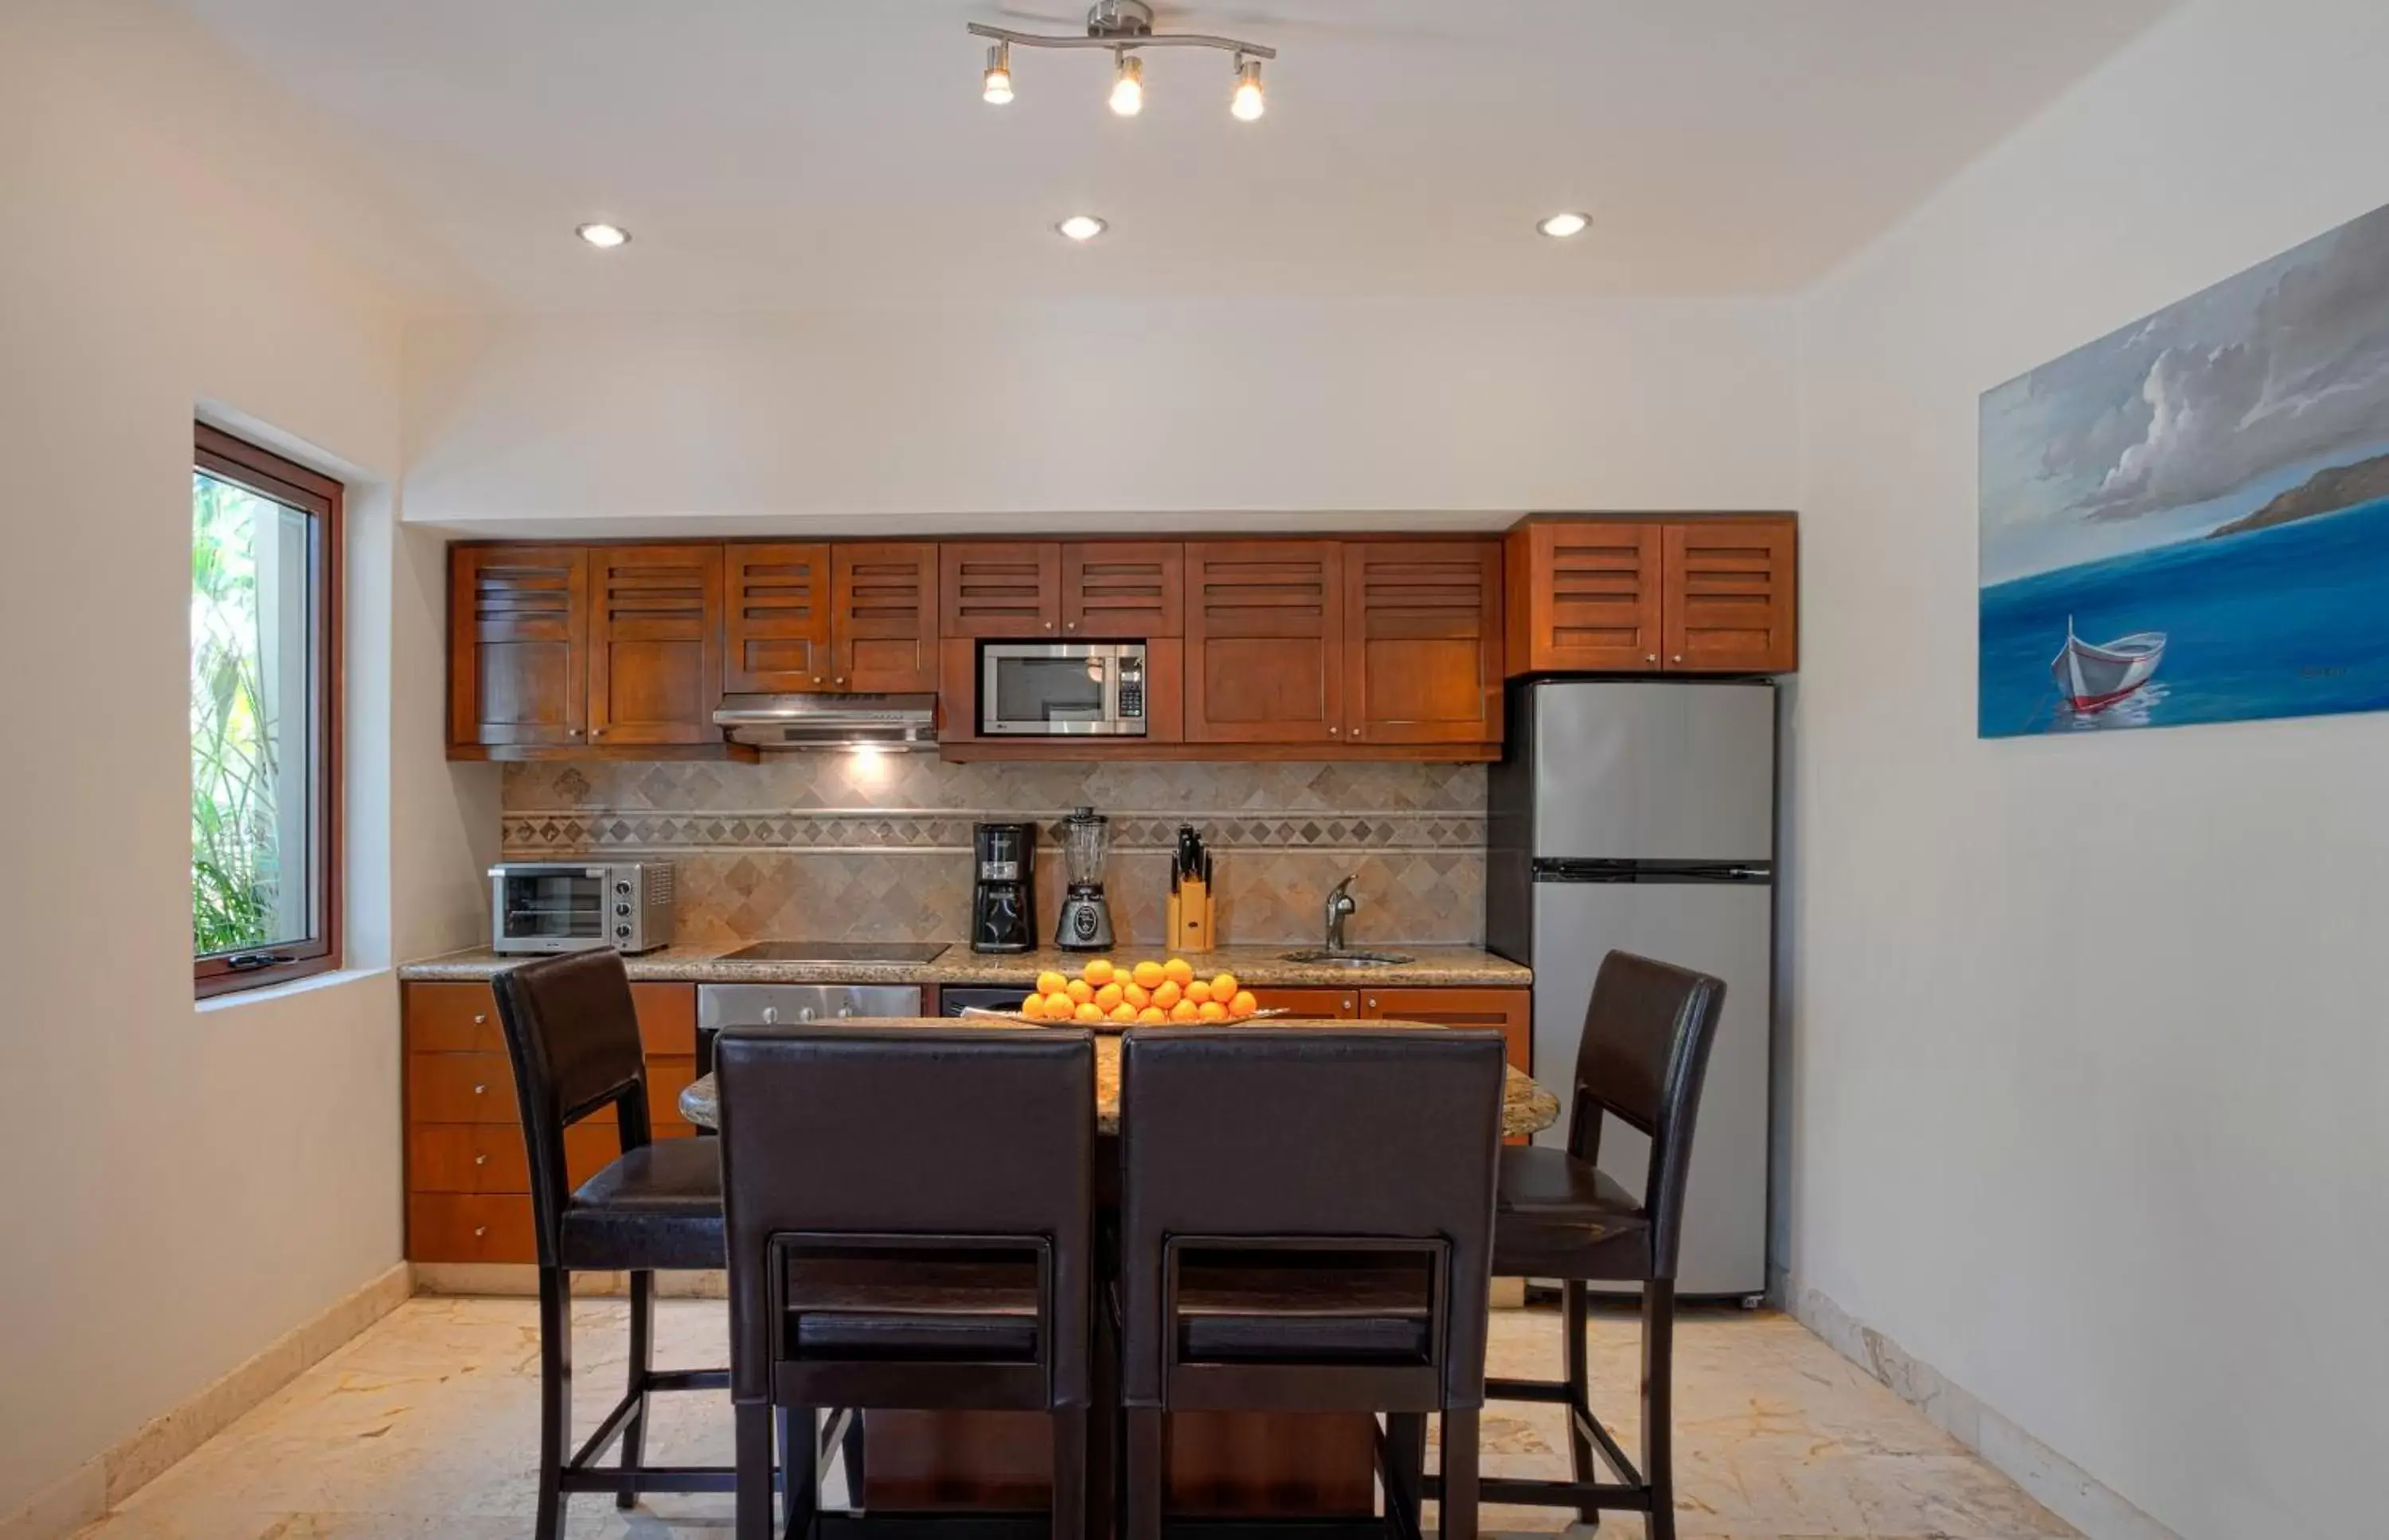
<point x="576" y="906"/>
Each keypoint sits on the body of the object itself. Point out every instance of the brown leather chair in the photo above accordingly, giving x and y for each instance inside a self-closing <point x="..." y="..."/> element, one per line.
<point x="573" y="1035"/>
<point x="910" y="1227"/>
<point x="1306" y="1224"/>
<point x="1645" y="1048"/>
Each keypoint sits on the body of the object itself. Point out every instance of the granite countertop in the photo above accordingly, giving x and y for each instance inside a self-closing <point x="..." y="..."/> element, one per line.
<point x="1527" y="1108"/>
<point x="1433" y="967"/>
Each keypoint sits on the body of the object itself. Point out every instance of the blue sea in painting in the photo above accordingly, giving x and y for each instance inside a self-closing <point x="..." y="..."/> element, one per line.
<point x="2287" y="621"/>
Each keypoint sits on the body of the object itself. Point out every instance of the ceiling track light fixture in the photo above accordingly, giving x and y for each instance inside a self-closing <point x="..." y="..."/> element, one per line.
<point x="1123" y="27"/>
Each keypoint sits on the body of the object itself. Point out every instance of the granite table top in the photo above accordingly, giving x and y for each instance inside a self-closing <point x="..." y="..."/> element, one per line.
<point x="1431" y="967"/>
<point x="1527" y="1108"/>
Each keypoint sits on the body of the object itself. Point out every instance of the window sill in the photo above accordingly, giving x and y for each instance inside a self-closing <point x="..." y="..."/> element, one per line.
<point x="236" y="999"/>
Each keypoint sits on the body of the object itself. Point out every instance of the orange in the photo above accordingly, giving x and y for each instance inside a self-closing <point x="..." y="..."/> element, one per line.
<point x="1108" y="996"/>
<point x="1198" y="991"/>
<point x="1212" y="1011"/>
<point x="1060" y="1007"/>
<point x="1185" y="1010"/>
<point x="1123" y="1013"/>
<point x="1080" y="991"/>
<point x="1033" y="1007"/>
<point x="1136" y="995"/>
<point x="1098" y="973"/>
<point x="1152" y="1014"/>
<point x="1050" y="983"/>
<point x="1224" y="987"/>
<point x="1148" y="973"/>
<point x="1243" y="1004"/>
<point x="1179" y="972"/>
<point x="1090" y="1012"/>
<point x="1169" y="994"/>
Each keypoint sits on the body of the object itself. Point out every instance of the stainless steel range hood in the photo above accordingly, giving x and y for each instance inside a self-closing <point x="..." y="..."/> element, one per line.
<point x="830" y="721"/>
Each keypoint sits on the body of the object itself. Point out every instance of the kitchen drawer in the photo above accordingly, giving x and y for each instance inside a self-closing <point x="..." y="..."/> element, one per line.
<point x="1316" y="1003"/>
<point x="460" y="1087"/>
<point x="667" y="1019"/>
<point x="452" y="1018"/>
<point x="457" y="1227"/>
<point x="489" y="1158"/>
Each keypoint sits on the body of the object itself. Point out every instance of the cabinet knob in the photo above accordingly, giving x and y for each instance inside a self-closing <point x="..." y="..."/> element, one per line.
<point x="1650" y="658"/>
<point x="817" y="678"/>
<point x="1373" y="1002"/>
<point x="1049" y="625"/>
<point x="1679" y="657"/>
<point x="1356" y="733"/>
<point x="576" y="733"/>
<point x="480" y="1018"/>
<point x="1333" y="731"/>
<point x="840" y="681"/>
<point x="480" y="1230"/>
<point x="481" y="1160"/>
<point x="479" y="1090"/>
<point x="1069" y="624"/>
<point x="1348" y="1002"/>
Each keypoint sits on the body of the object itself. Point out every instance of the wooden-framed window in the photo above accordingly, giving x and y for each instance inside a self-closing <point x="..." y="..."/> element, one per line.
<point x="265" y="717"/>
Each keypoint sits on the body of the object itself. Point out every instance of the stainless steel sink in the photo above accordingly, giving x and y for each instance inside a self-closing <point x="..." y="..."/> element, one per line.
<point x="1321" y="955"/>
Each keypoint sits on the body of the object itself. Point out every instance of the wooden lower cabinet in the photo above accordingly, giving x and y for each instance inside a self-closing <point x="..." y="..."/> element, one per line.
<point x="468" y="1172"/>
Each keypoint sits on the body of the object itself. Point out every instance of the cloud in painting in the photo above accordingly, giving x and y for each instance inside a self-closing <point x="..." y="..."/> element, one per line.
<point x="2311" y="375"/>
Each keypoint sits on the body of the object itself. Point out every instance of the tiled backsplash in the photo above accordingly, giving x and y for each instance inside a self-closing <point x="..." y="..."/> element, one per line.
<point x="835" y="845"/>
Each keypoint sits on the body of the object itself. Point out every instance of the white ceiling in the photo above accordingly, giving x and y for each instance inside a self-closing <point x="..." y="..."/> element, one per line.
<point x="779" y="154"/>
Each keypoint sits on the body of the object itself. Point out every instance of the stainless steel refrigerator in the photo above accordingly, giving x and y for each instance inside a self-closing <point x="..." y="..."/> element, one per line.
<point x="1640" y="815"/>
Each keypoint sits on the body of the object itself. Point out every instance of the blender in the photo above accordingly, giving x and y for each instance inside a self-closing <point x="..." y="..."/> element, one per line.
<point x="1085" y="923"/>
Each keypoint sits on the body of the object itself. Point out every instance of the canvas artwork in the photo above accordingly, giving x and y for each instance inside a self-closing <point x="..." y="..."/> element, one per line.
<point x="2188" y="521"/>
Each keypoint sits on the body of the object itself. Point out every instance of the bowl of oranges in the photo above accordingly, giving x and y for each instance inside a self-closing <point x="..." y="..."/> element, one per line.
<point x="1110" y="994"/>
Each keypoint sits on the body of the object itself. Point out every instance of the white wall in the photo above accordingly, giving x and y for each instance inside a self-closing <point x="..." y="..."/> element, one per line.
<point x="178" y="1186"/>
<point x="1074" y="415"/>
<point x="2091" y="1076"/>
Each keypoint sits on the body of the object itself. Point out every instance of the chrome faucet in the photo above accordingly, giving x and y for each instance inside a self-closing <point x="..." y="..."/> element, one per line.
<point x="1340" y="903"/>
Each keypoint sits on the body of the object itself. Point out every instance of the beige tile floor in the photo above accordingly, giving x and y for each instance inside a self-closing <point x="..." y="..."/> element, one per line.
<point x="423" y="1428"/>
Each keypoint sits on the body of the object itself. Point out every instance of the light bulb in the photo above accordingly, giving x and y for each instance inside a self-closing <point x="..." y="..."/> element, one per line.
<point x="1249" y="103"/>
<point x="604" y="238"/>
<point x="1561" y="227"/>
<point x="1127" y="90"/>
<point x="995" y="86"/>
<point x="1081" y="227"/>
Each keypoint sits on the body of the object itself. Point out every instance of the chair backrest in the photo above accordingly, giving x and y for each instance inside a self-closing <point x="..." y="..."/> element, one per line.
<point x="1340" y="1133"/>
<point x="918" y="1133"/>
<point x="1644" y="1053"/>
<point x="573" y="1033"/>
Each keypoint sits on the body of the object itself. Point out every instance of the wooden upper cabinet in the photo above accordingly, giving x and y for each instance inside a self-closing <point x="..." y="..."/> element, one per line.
<point x="776" y="634"/>
<point x="1005" y="589"/>
<point x="1584" y="595"/>
<point x="1123" y="591"/>
<point x="1423" y="641"/>
<point x="517" y="644"/>
<point x="883" y="617"/>
<point x="655" y="643"/>
<point x="1730" y="591"/>
<point x="1264" y="641"/>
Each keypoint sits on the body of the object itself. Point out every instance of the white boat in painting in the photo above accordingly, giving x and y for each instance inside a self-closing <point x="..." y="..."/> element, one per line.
<point x="2091" y="677"/>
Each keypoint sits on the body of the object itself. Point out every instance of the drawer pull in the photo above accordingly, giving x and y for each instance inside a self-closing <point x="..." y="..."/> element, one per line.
<point x="481" y="1160"/>
<point x="479" y="1090"/>
<point x="480" y="1230"/>
<point x="481" y="1019"/>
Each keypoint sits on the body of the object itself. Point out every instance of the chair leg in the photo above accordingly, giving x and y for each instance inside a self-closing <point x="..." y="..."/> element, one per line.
<point x="1578" y="1319"/>
<point x="1070" y="1513"/>
<point x="799" y="1468"/>
<point x="851" y="1452"/>
<point x="1405" y="1472"/>
<point x="642" y="1363"/>
<point x="1456" y="1508"/>
<point x="1658" y="1404"/>
<point x="753" y="1435"/>
<point x="1141" y="1500"/>
<point x="554" y="1399"/>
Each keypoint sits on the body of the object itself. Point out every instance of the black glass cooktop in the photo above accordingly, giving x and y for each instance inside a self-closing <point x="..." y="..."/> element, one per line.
<point x="838" y="951"/>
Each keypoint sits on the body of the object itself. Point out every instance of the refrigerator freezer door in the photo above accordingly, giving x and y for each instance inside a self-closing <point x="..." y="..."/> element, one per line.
<point x="1721" y="928"/>
<point x="1654" y="771"/>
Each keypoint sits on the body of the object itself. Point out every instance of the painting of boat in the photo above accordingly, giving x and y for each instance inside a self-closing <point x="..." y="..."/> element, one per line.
<point x="2094" y="677"/>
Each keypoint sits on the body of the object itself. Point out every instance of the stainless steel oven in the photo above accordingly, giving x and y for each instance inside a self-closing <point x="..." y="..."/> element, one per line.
<point x="574" y="906"/>
<point x="1061" y="689"/>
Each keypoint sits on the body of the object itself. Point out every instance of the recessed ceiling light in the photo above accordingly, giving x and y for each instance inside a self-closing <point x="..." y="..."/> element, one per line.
<point x="604" y="238"/>
<point x="1561" y="227"/>
<point x="1083" y="227"/>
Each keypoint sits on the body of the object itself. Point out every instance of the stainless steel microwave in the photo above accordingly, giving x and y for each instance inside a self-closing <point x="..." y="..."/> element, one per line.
<point x="1061" y="689"/>
<point x="575" y="907"/>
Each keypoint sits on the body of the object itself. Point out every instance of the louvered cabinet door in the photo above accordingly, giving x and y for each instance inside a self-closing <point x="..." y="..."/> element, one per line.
<point x="1008" y="588"/>
<point x="776" y="634"/>
<point x="1422" y="643"/>
<point x="1123" y="591"/>
<point x="1264" y="641"/>
<point x="1730" y="597"/>
<point x="655" y="645"/>
<point x="883" y="617"/>
<point x="1584" y="595"/>
<point x="517" y="644"/>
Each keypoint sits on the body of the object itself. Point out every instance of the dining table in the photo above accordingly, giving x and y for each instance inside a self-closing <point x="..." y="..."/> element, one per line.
<point x="1299" y="1465"/>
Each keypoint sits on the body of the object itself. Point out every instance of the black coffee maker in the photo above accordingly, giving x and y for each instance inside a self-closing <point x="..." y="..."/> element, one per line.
<point x="1004" y="905"/>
